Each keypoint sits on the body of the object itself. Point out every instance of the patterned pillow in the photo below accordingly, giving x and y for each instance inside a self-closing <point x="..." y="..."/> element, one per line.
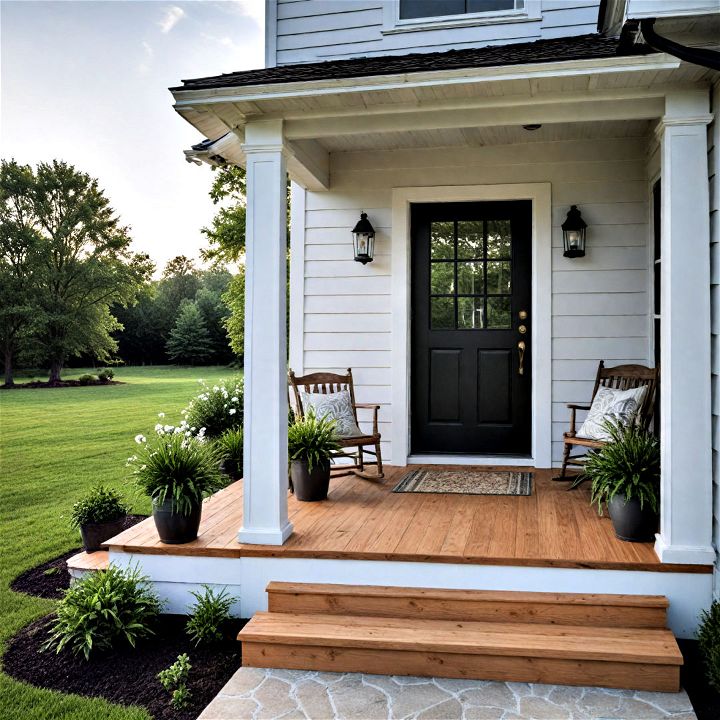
<point x="618" y="406"/>
<point x="336" y="406"/>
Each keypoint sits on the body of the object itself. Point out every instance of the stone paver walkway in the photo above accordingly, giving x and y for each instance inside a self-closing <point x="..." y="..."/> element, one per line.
<point x="256" y="694"/>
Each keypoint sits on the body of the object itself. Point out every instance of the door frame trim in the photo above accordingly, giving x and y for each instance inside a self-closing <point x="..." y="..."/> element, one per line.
<point x="541" y="320"/>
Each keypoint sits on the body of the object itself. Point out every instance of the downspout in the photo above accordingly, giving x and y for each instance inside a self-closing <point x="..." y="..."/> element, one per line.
<point x="696" y="56"/>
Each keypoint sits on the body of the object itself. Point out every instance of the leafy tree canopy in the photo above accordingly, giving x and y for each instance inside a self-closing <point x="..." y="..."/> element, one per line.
<point x="189" y="340"/>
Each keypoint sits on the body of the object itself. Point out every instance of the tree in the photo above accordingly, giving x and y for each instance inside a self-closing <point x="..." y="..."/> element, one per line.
<point x="18" y="257"/>
<point x="234" y="298"/>
<point x="189" y="340"/>
<point x="84" y="266"/>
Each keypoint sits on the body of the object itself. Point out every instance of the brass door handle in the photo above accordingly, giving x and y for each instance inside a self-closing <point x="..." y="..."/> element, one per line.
<point x="521" y="353"/>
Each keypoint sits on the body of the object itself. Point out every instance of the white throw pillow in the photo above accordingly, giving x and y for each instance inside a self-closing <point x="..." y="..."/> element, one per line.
<point x="334" y="406"/>
<point x="618" y="406"/>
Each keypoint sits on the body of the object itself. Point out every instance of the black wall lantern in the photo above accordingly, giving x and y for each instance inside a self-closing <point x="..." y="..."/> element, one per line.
<point x="364" y="240"/>
<point x="574" y="234"/>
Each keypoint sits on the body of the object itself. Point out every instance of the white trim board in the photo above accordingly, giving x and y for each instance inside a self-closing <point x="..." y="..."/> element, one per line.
<point x="247" y="578"/>
<point x="541" y="323"/>
<point x="479" y="460"/>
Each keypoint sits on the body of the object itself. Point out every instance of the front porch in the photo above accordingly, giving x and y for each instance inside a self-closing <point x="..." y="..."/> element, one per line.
<point x="366" y="534"/>
<point x="363" y="520"/>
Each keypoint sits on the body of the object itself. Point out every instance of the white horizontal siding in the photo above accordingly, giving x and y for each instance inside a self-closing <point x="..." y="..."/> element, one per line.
<point x="312" y="30"/>
<point x="600" y="303"/>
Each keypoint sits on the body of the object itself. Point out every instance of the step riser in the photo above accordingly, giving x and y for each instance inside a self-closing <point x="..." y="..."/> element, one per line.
<point x="634" y="676"/>
<point x="468" y="610"/>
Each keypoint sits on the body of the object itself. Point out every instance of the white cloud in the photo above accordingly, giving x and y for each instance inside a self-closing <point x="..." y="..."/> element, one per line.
<point x="173" y="15"/>
<point x="148" y="54"/>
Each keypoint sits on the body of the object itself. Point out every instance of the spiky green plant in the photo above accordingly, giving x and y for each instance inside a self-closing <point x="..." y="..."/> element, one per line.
<point x="209" y="612"/>
<point x="177" y="467"/>
<point x="709" y="642"/>
<point x="230" y="449"/>
<point x="313" y="440"/>
<point x="102" y="609"/>
<point x="628" y="465"/>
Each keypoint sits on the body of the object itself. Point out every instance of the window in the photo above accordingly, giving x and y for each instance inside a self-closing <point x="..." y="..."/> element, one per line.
<point x="413" y="9"/>
<point x="470" y="275"/>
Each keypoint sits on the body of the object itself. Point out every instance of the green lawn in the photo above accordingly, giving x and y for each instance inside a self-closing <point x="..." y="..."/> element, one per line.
<point x="55" y="444"/>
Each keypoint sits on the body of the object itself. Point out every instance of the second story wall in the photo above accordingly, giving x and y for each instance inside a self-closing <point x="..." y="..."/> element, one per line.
<point x="314" y="30"/>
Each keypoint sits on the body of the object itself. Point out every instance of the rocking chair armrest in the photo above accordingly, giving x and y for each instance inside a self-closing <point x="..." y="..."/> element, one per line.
<point x="575" y="406"/>
<point x="374" y="408"/>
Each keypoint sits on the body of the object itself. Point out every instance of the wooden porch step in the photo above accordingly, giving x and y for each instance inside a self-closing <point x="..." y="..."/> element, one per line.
<point x="637" y="658"/>
<point x="85" y="562"/>
<point x="629" y="611"/>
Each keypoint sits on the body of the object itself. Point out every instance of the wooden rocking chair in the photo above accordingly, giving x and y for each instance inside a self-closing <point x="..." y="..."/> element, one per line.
<point x="331" y="383"/>
<point x="620" y="377"/>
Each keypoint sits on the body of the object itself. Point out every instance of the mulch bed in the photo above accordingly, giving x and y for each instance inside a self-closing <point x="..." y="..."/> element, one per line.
<point x="62" y="384"/>
<point x="49" y="579"/>
<point x="705" y="700"/>
<point x="129" y="676"/>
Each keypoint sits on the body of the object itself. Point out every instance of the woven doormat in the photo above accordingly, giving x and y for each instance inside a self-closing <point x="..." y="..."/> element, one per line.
<point x="466" y="482"/>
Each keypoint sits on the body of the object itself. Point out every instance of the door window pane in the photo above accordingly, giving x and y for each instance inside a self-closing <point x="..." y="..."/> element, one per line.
<point x="470" y="313"/>
<point x="442" y="313"/>
<point x="498" y="277"/>
<point x="498" y="239"/>
<point x="470" y="240"/>
<point x="470" y="278"/>
<point x="442" y="240"/>
<point x="498" y="312"/>
<point x="442" y="278"/>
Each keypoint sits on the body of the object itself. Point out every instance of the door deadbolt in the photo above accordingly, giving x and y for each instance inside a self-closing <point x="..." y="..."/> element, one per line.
<point x="523" y="314"/>
<point x="522" y="329"/>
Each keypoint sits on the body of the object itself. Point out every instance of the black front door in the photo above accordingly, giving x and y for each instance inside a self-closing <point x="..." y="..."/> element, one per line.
<point x="471" y="344"/>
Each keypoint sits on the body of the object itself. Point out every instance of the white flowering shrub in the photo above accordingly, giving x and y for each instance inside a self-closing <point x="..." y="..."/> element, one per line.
<point x="213" y="411"/>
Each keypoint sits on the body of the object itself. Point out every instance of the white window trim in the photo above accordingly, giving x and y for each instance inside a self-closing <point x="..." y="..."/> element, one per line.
<point x="392" y="24"/>
<point x="541" y="318"/>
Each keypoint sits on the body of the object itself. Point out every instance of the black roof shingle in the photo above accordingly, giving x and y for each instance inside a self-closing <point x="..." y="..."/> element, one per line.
<point x="582" y="47"/>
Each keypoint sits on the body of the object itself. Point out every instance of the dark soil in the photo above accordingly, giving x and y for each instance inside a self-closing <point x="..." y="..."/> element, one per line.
<point x="705" y="700"/>
<point x="51" y="578"/>
<point x="129" y="676"/>
<point x="62" y="384"/>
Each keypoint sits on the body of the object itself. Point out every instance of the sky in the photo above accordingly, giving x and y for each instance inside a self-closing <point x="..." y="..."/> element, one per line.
<point x="86" y="82"/>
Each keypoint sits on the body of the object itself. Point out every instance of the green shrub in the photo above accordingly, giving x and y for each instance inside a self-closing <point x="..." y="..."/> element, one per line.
<point x="709" y="642"/>
<point x="100" y="505"/>
<point x="176" y="674"/>
<point x="87" y="379"/>
<point x="208" y="614"/>
<point x="217" y="409"/>
<point x="628" y="465"/>
<point x="313" y="440"/>
<point x="105" y="375"/>
<point x="184" y="469"/>
<point x="102" y="609"/>
<point x="174" y="680"/>
<point x="230" y="448"/>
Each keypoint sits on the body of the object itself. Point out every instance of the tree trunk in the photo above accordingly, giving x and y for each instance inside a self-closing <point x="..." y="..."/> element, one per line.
<point x="55" y="369"/>
<point x="9" y="382"/>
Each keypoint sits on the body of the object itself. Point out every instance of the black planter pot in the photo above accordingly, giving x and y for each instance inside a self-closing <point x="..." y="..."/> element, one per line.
<point x="95" y="534"/>
<point x="632" y="523"/>
<point x="309" y="486"/>
<point x="173" y="527"/>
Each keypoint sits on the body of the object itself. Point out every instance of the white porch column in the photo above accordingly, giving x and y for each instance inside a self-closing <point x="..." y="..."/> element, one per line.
<point x="265" y="512"/>
<point x="686" y="484"/>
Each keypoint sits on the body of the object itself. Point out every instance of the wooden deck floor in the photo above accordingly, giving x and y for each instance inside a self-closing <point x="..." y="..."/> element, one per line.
<point x="365" y="521"/>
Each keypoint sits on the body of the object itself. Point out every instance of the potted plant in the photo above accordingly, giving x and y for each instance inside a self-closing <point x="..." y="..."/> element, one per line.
<point x="625" y="474"/>
<point x="177" y="472"/>
<point x="98" y="516"/>
<point x="311" y="443"/>
<point x="230" y="449"/>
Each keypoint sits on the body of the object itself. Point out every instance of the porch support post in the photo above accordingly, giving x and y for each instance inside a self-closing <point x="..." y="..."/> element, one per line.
<point x="265" y="511"/>
<point x="685" y="410"/>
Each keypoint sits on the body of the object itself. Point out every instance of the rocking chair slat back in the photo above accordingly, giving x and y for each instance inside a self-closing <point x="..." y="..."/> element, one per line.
<point x="628" y="377"/>
<point x="321" y="382"/>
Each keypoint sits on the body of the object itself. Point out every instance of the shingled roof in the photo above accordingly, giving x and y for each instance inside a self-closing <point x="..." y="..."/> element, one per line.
<point x="582" y="47"/>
